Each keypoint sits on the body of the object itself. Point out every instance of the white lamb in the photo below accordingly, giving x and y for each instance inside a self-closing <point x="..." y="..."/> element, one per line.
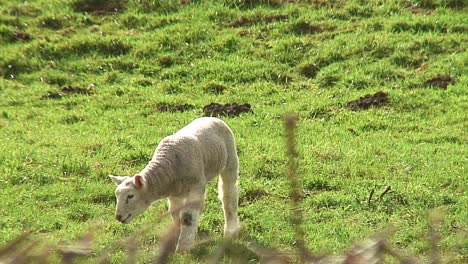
<point x="181" y="166"/>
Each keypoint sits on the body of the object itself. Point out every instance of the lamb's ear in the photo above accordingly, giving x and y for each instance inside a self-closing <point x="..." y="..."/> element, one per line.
<point x="117" y="179"/>
<point x="137" y="181"/>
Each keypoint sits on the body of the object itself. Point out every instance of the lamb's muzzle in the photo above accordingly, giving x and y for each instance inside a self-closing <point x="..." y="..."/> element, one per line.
<point x="123" y="220"/>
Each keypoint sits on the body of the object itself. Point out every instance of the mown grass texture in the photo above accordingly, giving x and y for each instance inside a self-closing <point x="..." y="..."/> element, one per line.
<point x="307" y="57"/>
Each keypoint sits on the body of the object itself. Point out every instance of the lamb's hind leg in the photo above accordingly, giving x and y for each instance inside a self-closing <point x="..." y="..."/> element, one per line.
<point x="229" y="195"/>
<point x="189" y="219"/>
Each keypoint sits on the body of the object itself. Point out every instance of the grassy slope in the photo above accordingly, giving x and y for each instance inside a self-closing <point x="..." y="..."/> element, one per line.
<point x="55" y="154"/>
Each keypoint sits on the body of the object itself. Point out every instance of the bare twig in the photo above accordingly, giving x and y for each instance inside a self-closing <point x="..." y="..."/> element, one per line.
<point x="269" y="255"/>
<point x="44" y="253"/>
<point x="296" y="195"/>
<point x="13" y="245"/>
<point x="402" y="259"/>
<point x="22" y="256"/>
<point x="81" y="247"/>
<point x="384" y="192"/>
<point x="132" y="249"/>
<point x="435" y="218"/>
<point x="168" y="244"/>
<point x="104" y="257"/>
<point x="371" y="194"/>
<point x="368" y="252"/>
<point x="220" y="251"/>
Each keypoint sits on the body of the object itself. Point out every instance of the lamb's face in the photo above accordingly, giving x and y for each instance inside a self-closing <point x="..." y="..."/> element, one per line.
<point x="130" y="200"/>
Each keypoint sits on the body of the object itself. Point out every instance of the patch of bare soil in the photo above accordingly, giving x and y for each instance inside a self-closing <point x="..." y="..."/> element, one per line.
<point x="68" y="90"/>
<point x="308" y="70"/>
<point x="370" y="100"/>
<point x="22" y="36"/>
<point x="244" y="33"/>
<point x="232" y="109"/>
<point x="245" y="21"/>
<point x="166" y="107"/>
<point x="75" y="90"/>
<point x="439" y="81"/>
<point x="98" y="7"/>
<point x="166" y="61"/>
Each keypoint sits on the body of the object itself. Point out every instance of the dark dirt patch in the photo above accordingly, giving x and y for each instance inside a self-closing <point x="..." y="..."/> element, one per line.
<point x="370" y="100"/>
<point x="439" y="81"/>
<point x="246" y="21"/>
<point x="67" y="90"/>
<point x="306" y="28"/>
<point x="215" y="88"/>
<point x="244" y="33"/>
<point x="232" y="109"/>
<point x="166" y="107"/>
<point x="75" y="90"/>
<point x="119" y="93"/>
<point x="98" y="7"/>
<point x="166" y="61"/>
<point x="21" y="36"/>
<point x="308" y="70"/>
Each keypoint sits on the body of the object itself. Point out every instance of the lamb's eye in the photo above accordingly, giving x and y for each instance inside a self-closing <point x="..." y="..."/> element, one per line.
<point x="130" y="196"/>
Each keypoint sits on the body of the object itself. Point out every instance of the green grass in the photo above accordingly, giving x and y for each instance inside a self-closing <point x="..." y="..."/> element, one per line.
<point x="308" y="57"/>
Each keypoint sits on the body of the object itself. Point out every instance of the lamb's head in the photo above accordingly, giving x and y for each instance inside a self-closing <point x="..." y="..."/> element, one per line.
<point x="131" y="198"/>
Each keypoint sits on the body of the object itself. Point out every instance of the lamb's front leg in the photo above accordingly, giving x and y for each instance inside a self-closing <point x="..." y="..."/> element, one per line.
<point x="175" y="206"/>
<point x="189" y="219"/>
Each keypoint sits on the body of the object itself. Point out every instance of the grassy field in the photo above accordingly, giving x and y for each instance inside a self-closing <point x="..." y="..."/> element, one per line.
<point x="154" y="65"/>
